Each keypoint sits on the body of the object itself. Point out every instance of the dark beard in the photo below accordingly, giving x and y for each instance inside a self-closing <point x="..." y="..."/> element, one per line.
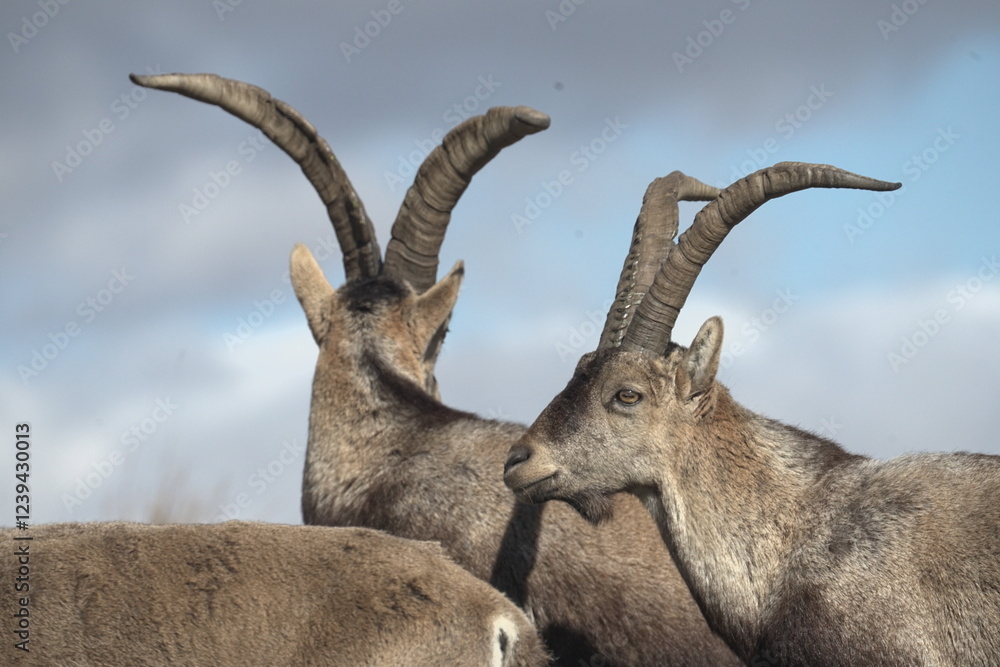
<point x="595" y="507"/>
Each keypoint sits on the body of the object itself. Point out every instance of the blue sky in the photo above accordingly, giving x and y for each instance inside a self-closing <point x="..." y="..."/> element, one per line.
<point x="819" y="290"/>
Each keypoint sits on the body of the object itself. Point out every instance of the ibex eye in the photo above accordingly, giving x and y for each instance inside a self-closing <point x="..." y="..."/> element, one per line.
<point x="628" y="396"/>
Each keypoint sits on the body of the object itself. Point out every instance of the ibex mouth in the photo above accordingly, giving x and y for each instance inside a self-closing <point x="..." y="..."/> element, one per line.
<point x="534" y="492"/>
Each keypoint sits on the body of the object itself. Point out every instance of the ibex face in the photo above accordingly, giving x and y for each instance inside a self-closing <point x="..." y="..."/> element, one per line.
<point x="621" y="422"/>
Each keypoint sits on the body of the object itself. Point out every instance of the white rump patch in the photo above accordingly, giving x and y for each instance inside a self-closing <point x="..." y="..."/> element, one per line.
<point x="504" y="639"/>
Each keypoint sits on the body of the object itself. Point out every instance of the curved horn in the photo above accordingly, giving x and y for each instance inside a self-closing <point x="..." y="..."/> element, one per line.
<point x="417" y="234"/>
<point x="655" y="316"/>
<point x="652" y="238"/>
<point x="298" y="138"/>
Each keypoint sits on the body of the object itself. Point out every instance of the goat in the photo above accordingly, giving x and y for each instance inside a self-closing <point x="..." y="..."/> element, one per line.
<point x="798" y="552"/>
<point x="384" y="452"/>
<point x="412" y="253"/>
<point x="241" y="593"/>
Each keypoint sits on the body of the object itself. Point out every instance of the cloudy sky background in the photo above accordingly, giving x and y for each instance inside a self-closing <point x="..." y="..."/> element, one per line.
<point x="900" y="91"/>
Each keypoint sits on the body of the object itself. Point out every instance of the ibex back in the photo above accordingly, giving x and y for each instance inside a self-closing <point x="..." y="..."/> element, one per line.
<point x="253" y="594"/>
<point x="798" y="552"/>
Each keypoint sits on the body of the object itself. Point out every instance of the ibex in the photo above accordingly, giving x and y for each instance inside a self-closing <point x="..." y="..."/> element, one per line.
<point x="385" y="453"/>
<point x="798" y="552"/>
<point x="242" y="593"/>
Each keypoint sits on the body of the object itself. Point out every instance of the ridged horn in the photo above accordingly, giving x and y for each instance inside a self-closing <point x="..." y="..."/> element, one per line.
<point x="417" y="234"/>
<point x="652" y="237"/>
<point x="654" y="318"/>
<point x="299" y="139"/>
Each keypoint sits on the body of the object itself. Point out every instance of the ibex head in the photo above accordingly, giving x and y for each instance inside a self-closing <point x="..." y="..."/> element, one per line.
<point x="605" y="432"/>
<point x="384" y="311"/>
<point x="399" y="297"/>
<point x="634" y="405"/>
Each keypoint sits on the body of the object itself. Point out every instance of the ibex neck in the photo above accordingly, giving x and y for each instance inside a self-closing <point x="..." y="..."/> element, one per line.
<point x="360" y="407"/>
<point x="732" y="509"/>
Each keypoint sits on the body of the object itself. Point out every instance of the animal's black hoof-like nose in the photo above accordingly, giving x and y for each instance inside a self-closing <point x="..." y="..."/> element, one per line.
<point x="518" y="454"/>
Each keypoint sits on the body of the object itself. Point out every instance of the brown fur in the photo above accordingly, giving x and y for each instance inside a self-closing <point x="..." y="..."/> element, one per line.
<point x="250" y="593"/>
<point x="385" y="453"/>
<point x="798" y="552"/>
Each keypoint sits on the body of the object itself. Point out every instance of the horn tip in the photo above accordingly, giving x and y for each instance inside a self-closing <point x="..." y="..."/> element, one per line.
<point x="859" y="181"/>
<point x="881" y="186"/>
<point x="533" y="118"/>
<point x="157" y="81"/>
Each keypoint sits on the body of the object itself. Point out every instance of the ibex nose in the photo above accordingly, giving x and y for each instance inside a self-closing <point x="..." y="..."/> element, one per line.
<point x="518" y="454"/>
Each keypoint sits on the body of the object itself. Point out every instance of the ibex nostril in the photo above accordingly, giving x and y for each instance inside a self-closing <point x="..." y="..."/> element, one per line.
<point x="518" y="454"/>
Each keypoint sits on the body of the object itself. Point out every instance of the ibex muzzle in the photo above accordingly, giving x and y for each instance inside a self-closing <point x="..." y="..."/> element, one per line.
<point x="583" y="447"/>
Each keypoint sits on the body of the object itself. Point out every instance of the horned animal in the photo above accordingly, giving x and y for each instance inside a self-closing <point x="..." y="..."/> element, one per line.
<point x="417" y="234"/>
<point x="242" y="593"/>
<point x="798" y="552"/>
<point x="384" y="452"/>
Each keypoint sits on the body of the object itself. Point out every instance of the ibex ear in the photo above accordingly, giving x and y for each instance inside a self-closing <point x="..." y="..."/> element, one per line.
<point x="433" y="310"/>
<point x="700" y="362"/>
<point x="435" y="305"/>
<point x="312" y="289"/>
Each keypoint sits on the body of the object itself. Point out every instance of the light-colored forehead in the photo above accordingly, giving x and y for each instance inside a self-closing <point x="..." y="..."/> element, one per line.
<point x="617" y="361"/>
<point x="598" y="369"/>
